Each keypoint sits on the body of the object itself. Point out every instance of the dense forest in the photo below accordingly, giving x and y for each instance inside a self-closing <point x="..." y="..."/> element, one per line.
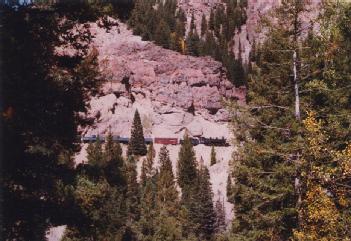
<point x="166" y="26"/>
<point x="290" y="176"/>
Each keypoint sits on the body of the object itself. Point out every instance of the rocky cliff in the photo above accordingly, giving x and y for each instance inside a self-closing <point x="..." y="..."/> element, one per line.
<point x="172" y="91"/>
<point x="247" y="34"/>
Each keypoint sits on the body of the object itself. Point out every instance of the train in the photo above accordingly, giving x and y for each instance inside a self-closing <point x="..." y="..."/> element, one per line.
<point x="162" y="140"/>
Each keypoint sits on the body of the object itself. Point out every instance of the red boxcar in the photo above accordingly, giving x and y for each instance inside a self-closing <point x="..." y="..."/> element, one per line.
<point x="166" y="141"/>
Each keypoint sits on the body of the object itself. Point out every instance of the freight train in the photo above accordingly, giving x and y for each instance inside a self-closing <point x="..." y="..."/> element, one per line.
<point x="162" y="140"/>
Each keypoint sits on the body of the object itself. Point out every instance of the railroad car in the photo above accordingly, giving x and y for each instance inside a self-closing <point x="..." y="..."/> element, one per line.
<point x="123" y="140"/>
<point x="162" y="140"/>
<point x="92" y="138"/>
<point x="194" y="141"/>
<point x="213" y="141"/>
<point x="148" y="140"/>
<point x="166" y="141"/>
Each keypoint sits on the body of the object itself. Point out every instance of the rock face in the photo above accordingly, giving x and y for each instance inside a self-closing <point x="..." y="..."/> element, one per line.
<point x="198" y="8"/>
<point x="173" y="92"/>
<point x="254" y="11"/>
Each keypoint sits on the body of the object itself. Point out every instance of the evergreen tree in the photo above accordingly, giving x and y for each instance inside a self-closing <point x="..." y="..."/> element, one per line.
<point x="136" y="144"/>
<point x="148" y="210"/>
<point x="218" y="20"/>
<point x="220" y="215"/>
<point x="132" y="191"/>
<point x="95" y="153"/>
<point x="270" y="192"/>
<point x="211" y="20"/>
<point x="206" y="212"/>
<point x="167" y="194"/>
<point x="186" y="167"/>
<point x="112" y="150"/>
<point x="265" y="194"/>
<point x="192" y="23"/>
<point x="143" y="177"/>
<point x="193" y="43"/>
<point x="162" y="34"/>
<point x="208" y="45"/>
<point x="201" y="213"/>
<point x="213" y="156"/>
<point x="149" y="165"/>
<point x="203" y="25"/>
<point x="113" y="161"/>
<point x="229" y="187"/>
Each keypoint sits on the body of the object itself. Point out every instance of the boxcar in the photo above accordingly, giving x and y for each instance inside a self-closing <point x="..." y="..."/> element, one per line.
<point x="92" y="138"/>
<point x="123" y="140"/>
<point x="213" y="141"/>
<point x="148" y="140"/>
<point x="166" y="141"/>
<point x="194" y="141"/>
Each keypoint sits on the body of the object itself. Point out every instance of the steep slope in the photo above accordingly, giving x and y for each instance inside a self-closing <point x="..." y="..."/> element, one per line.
<point x="175" y="90"/>
<point x="172" y="92"/>
<point x="255" y="10"/>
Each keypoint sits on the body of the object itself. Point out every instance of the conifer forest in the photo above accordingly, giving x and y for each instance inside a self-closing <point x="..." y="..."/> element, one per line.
<point x="175" y="120"/>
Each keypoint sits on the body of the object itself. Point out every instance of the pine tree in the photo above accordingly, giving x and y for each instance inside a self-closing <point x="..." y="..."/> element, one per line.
<point x="207" y="212"/>
<point x="162" y="34"/>
<point x="211" y="20"/>
<point x="132" y="191"/>
<point x="270" y="188"/>
<point x="203" y="25"/>
<point x="220" y="215"/>
<point x="137" y="142"/>
<point x="186" y="167"/>
<point x="113" y="160"/>
<point x="167" y="194"/>
<point x="143" y="176"/>
<point x="213" y="156"/>
<point x="192" y="23"/>
<point x="149" y="165"/>
<point x="95" y="153"/>
<point x="202" y="217"/>
<point x="218" y="19"/>
<point x="193" y="43"/>
<point x="208" y="45"/>
<point x="148" y="211"/>
<point x="265" y="169"/>
<point x="229" y="188"/>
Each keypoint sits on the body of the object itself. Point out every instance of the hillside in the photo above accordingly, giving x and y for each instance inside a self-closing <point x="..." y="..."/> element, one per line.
<point x="172" y="92"/>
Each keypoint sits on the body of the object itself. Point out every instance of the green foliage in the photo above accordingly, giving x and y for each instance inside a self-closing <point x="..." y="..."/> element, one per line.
<point x="162" y="22"/>
<point x="136" y="145"/>
<point x="186" y="167"/>
<point x="162" y="34"/>
<point x="167" y="194"/>
<point x="158" y="24"/>
<point x="269" y="182"/>
<point x="203" y="25"/>
<point x="204" y="214"/>
<point x="102" y="208"/>
<point x="220" y="224"/>
<point x="193" y="43"/>
<point x="113" y="162"/>
<point x="213" y="156"/>
<point x="132" y="191"/>
<point x="42" y="92"/>
<point x="148" y="210"/>
<point x="95" y="153"/>
<point x="211" y="21"/>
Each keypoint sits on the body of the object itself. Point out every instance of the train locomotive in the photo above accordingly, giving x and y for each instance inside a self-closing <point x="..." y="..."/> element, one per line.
<point x="162" y="140"/>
